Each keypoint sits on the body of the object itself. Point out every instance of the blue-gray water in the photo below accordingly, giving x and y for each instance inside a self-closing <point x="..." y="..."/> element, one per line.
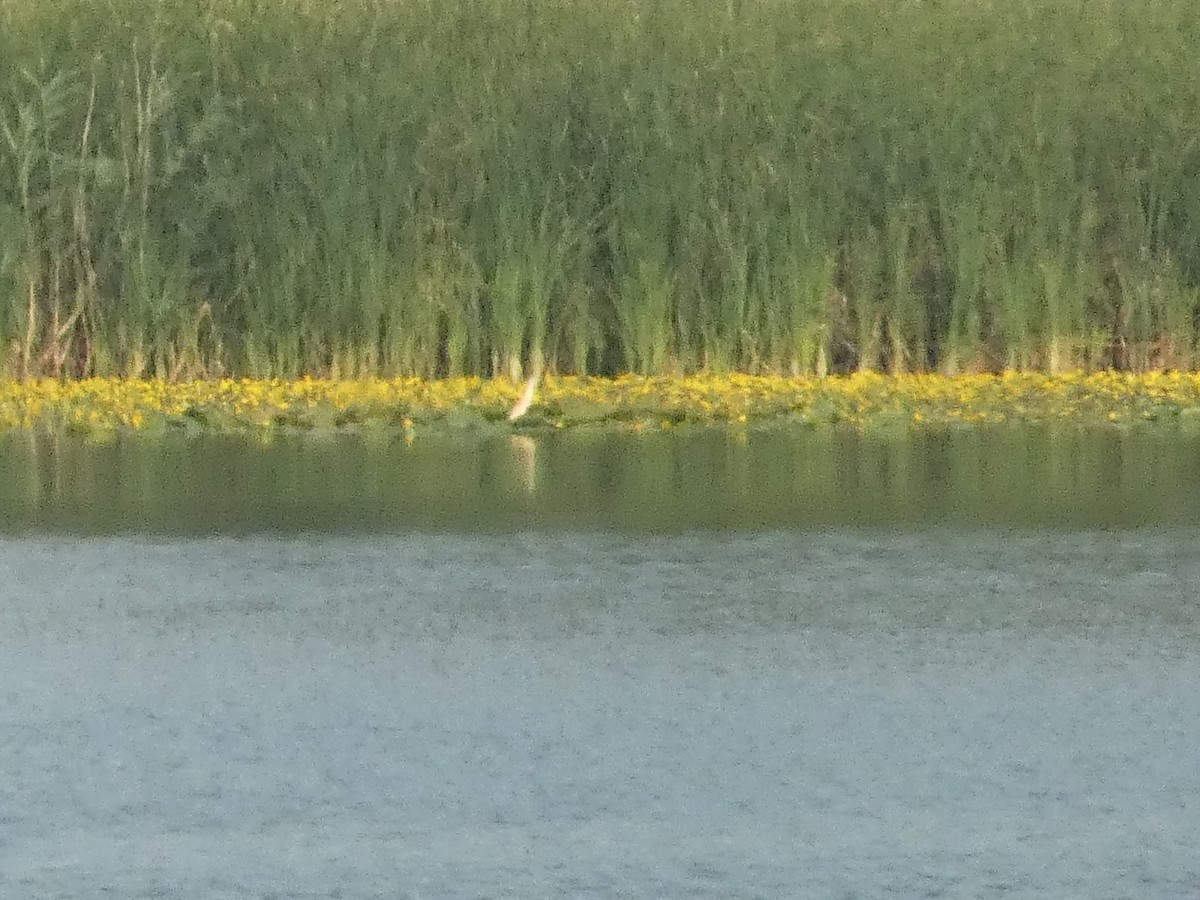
<point x="950" y="708"/>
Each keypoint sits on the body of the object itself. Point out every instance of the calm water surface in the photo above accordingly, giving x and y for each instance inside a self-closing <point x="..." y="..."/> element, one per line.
<point x="771" y="665"/>
<point x="676" y="480"/>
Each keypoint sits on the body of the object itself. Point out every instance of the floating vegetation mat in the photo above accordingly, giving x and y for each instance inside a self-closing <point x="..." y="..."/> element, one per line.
<point x="102" y="406"/>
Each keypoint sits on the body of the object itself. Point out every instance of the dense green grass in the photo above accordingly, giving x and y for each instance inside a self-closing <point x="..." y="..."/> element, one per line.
<point x="277" y="187"/>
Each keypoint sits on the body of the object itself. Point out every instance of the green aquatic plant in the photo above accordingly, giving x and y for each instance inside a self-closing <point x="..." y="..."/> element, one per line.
<point x="478" y="186"/>
<point x="866" y="400"/>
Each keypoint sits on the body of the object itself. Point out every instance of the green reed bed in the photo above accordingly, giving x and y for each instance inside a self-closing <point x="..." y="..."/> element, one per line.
<point x="403" y="187"/>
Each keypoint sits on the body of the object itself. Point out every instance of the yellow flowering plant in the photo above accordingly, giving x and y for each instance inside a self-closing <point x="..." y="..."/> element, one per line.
<point x="99" y="405"/>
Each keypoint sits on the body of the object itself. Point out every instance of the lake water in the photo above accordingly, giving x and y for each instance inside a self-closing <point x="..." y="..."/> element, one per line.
<point x="698" y="664"/>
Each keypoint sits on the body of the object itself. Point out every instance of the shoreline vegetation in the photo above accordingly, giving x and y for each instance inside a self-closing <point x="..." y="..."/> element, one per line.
<point x="198" y="189"/>
<point x="105" y="407"/>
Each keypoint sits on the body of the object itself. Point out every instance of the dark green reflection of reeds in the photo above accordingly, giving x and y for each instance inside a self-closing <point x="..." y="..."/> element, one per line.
<point x="717" y="478"/>
<point x="278" y="187"/>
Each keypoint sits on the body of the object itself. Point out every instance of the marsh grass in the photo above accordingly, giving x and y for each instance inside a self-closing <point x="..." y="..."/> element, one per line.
<point x="282" y="187"/>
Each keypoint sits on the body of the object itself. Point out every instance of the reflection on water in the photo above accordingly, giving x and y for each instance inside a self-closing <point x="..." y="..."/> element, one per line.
<point x="595" y="664"/>
<point x="524" y="449"/>
<point x="674" y="480"/>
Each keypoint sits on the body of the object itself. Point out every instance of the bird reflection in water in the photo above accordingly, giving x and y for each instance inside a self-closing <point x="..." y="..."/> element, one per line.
<point x="524" y="454"/>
